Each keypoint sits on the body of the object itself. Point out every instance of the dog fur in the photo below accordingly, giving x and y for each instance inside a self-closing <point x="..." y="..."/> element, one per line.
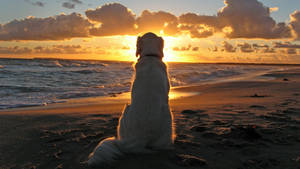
<point x="146" y="125"/>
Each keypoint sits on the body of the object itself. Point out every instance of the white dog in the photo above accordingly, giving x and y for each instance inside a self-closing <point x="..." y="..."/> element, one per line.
<point x="146" y="125"/>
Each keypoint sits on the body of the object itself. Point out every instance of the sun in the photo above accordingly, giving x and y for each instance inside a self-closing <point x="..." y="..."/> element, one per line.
<point x="169" y="43"/>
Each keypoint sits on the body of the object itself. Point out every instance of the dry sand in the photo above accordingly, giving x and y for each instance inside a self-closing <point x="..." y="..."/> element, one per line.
<point x="231" y="125"/>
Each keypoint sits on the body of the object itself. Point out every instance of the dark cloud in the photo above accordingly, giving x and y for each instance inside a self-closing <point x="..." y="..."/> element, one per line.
<point x="68" y="5"/>
<point x="194" y="19"/>
<point x="246" y="47"/>
<point x="54" y="49"/>
<point x="201" y="32"/>
<point x="291" y="51"/>
<point x="251" y="19"/>
<point x="268" y="50"/>
<point x="37" y="3"/>
<point x="59" y="27"/>
<point x="199" y="26"/>
<point x="238" y="19"/>
<point x="114" y="19"/>
<point x="157" y="21"/>
<point x="60" y="49"/>
<point x="215" y="49"/>
<point x="295" y="24"/>
<point x="260" y="45"/>
<point x="183" y="48"/>
<point x="286" y="45"/>
<point x="76" y="1"/>
<point x="195" y="49"/>
<point x="263" y="48"/>
<point x="227" y="47"/>
<point x="15" y="50"/>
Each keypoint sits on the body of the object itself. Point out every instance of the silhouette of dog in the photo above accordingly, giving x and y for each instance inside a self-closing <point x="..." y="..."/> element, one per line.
<point x="146" y="126"/>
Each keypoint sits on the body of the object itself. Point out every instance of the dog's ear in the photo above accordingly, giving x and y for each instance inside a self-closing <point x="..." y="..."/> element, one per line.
<point x="138" y="46"/>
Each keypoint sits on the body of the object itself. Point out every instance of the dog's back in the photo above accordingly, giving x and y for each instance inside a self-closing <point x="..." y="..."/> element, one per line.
<point x="149" y="118"/>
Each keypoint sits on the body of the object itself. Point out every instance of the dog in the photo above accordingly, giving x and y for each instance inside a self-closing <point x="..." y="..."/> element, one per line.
<point x="146" y="125"/>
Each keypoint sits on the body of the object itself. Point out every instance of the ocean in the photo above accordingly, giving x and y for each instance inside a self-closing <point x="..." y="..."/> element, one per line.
<point x="34" y="82"/>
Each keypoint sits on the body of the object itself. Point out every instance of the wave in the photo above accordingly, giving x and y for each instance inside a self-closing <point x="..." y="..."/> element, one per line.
<point x="87" y="71"/>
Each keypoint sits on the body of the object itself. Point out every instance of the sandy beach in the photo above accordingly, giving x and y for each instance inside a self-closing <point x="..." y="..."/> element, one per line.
<point x="243" y="124"/>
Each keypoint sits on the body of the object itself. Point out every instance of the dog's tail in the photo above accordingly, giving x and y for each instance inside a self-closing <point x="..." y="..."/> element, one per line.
<point x="105" y="153"/>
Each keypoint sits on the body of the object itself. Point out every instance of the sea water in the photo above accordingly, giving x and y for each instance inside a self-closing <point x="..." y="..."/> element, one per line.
<point x="33" y="82"/>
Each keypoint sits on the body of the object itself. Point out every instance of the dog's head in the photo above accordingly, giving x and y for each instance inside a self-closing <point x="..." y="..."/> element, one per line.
<point x="150" y="45"/>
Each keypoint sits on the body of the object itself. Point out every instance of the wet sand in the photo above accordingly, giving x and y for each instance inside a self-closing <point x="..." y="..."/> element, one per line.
<point x="245" y="124"/>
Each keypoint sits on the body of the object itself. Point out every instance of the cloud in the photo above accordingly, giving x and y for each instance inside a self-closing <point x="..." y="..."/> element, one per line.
<point x="199" y="26"/>
<point x="250" y="19"/>
<point x="194" y="19"/>
<point x="286" y="45"/>
<point x="274" y="9"/>
<point x="215" y="49"/>
<point x="60" y="49"/>
<point x="260" y="45"/>
<point x="290" y="51"/>
<point x="268" y="50"/>
<point x="263" y="48"/>
<point x="227" y="47"/>
<point x="59" y="27"/>
<point x="238" y="19"/>
<point x="195" y="49"/>
<point x="183" y="48"/>
<point x="54" y="49"/>
<point x="15" y="50"/>
<point x="187" y="48"/>
<point x="37" y="3"/>
<point x="68" y="5"/>
<point x="246" y="47"/>
<point x="76" y="1"/>
<point x="295" y="24"/>
<point x="114" y="19"/>
<point x="157" y="21"/>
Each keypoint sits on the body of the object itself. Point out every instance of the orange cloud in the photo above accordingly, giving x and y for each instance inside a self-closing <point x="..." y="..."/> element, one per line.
<point x="54" y="49"/>
<point x="246" y="47"/>
<point x="157" y="21"/>
<point x="227" y="47"/>
<point x="59" y="27"/>
<point x="295" y="24"/>
<point x="15" y="50"/>
<point x="251" y="19"/>
<point x="114" y="19"/>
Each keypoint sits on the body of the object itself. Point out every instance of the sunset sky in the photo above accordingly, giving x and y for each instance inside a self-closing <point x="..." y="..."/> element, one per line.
<point x="265" y="31"/>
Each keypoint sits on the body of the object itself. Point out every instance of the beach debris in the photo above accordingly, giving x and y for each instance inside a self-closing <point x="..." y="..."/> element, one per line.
<point x="256" y="95"/>
<point x="209" y="135"/>
<point x="60" y="166"/>
<point x="291" y="111"/>
<point x="188" y="112"/>
<point x="198" y="128"/>
<point x="248" y="133"/>
<point x="257" y="107"/>
<point x="219" y="122"/>
<point x="189" y="160"/>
